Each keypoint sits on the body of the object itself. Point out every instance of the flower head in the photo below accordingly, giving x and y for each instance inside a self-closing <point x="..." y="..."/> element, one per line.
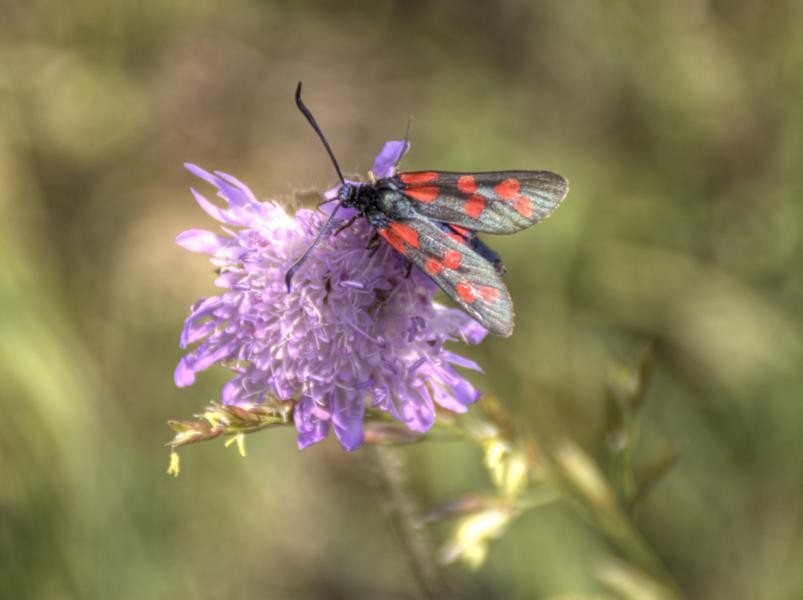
<point x="354" y="331"/>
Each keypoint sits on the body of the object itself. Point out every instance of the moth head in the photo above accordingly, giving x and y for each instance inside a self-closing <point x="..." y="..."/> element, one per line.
<point x="347" y="194"/>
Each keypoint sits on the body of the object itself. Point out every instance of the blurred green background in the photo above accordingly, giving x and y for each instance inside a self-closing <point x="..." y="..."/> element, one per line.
<point x="680" y="127"/>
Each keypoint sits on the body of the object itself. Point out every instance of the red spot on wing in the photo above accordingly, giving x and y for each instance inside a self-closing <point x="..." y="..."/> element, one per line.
<point x="488" y="293"/>
<point x="474" y="206"/>
<point x="392" y="239"/>
<point x="508" y="189"/>
<point x="458" y="238"/>
<point x="433" y="266"/>
<point x="452" y="259"/>
<point x="467" y="184"/>
<point x="423" y="194"/>
<point x="523" y="206"/>
<point x="405" y="233"/>
<point x="461" y="230"/>
<point x="418" y="178"/>
<point x="466" y="292"/>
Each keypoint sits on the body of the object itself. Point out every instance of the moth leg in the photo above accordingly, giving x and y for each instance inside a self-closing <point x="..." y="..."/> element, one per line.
<point x="324" y="201"/>
<point x="373" y="243"/>
<point x="379" y="220"/>
<point x="346" y="225"/>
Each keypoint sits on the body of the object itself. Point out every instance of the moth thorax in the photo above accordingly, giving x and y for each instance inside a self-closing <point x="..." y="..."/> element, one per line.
<point x="366" y="196"/>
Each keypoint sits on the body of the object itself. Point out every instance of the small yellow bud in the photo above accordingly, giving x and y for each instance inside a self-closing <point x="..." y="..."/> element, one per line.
<point x="174" y="468"/>
<point x="508" y="467"/>
<point x="238" y="439"/>
<point x="473" y="533"/>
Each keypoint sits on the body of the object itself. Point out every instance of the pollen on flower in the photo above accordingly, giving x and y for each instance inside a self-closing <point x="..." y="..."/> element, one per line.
<point x="353" y="332"/>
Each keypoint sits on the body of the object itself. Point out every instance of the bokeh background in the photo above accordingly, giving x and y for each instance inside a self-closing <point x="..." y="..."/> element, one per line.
<point x="680" y="127"/>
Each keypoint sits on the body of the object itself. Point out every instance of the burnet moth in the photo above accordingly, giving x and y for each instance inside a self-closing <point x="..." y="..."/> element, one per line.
<point x="432" y="219"/>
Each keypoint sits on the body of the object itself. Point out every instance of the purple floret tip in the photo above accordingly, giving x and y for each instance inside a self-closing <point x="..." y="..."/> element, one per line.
<point x="387" y="159"/>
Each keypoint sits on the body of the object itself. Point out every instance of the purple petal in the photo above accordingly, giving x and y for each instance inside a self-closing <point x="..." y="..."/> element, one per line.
<point x="319" y="412"/>
<point x="194" y="332"/>
<point x="448" y="401"/>
<point x="416" y="365"/>
<point x="347" y="420"/>
<point x="183" y="375"/>
<point x="472" y="332"/>
<point x="229" y="280"/>
<point x="217" y="213"/>
<point x="238" y="198"/>
<point x="387" y="159"/>
<point x="417" y="411"/>
<point x="204" y="308"/>
<point x="344" y="214"/>
<point x="461" y="361"/>
<point x="244" y="189"/>
<point x="352" y="436"/>
<point x="208" y="354"/>
<point x="232" y="391"/>
<point x="381" y="398"/>
<point x="199" y="172"/>
<point x="237" y="194"/>
<point x="200" y="240"/>
<point x="462" y="393"/>
<point x="329" y="196"/>
<point x="415" y="408"/>
<point x="315" y="435"/>
<point x="310" y="429"/>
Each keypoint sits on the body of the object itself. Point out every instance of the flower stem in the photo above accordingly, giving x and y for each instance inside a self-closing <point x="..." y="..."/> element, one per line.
<point x="390" y="465"/>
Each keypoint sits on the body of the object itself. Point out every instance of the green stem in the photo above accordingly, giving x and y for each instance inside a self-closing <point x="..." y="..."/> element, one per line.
<point x="419" y="553"/>
<point x="620" y="532"/>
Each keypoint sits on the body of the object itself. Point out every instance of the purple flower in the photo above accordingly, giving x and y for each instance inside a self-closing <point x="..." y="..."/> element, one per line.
<point x="353" y="330"/>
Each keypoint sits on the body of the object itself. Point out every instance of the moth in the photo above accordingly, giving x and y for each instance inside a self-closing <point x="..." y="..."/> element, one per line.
<point x="432" y="218"/>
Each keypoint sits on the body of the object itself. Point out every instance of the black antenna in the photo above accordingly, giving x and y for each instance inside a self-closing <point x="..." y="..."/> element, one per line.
<point x="288" y="277"/>
<point x="407" y="132"/>
<point x="317" y="129"/>
<point x="406" y="138"/>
